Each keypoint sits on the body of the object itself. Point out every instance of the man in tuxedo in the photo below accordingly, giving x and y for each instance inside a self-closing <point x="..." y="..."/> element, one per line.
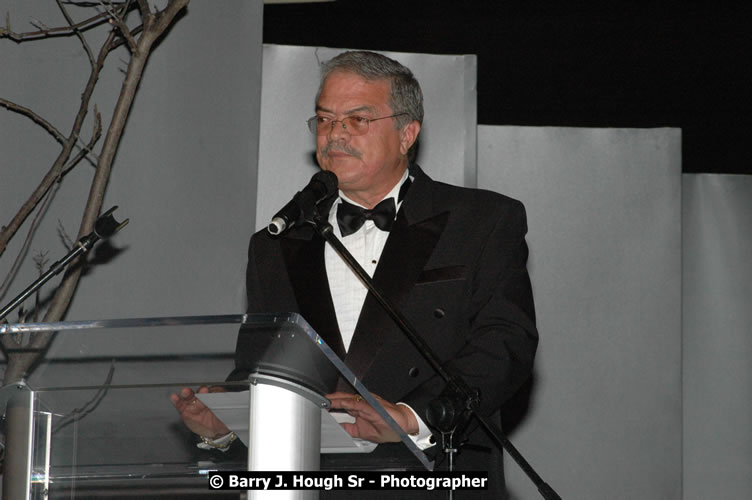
<point x="452" y="259"/>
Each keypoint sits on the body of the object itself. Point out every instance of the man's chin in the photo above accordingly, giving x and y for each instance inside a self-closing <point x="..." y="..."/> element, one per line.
<point x="342" y="166"/>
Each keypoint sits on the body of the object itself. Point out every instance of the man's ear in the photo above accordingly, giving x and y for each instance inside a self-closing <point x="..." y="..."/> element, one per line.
<point x="408" y="136"/>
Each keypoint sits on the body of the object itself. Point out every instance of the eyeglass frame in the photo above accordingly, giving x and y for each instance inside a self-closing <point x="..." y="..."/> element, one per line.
<point x="314" y="128"/>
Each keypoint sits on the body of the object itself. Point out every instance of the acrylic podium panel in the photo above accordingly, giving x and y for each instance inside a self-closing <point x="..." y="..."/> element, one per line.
<point x="97" y="408"/>
<point x="100" y="408"/>
<point x="92" y="440"/>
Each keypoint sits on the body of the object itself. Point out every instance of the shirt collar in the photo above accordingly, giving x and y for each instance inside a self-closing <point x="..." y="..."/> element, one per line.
<point x="394" y="193"/>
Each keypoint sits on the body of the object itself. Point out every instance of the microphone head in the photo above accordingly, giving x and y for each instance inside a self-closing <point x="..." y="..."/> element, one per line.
<point x="327" y="184"/>
<point x="277" y="225"/>
<point x="322" y="185"/>
<point x="106" y="225"/>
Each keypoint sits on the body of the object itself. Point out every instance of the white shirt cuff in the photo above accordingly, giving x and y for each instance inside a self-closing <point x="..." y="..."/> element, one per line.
<point x="423" y="439"/>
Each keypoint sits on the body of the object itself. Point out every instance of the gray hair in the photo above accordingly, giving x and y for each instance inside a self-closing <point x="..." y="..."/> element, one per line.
<point x="405" y="96"/>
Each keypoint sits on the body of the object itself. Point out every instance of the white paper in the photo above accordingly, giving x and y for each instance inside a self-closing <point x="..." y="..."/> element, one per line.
<point x="232" y="409"/>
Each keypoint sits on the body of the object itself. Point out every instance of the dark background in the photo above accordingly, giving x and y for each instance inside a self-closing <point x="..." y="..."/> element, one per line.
<point x="607" y="64"/>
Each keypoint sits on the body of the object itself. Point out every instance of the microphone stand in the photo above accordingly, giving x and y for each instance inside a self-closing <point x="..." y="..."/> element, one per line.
<point x="463" y="401"/>
<point x="104" y="227"/>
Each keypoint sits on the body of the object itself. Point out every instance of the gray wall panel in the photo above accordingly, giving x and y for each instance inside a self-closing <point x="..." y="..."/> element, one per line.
<point x="717" y="292"/>
<point x="604" y="216"/>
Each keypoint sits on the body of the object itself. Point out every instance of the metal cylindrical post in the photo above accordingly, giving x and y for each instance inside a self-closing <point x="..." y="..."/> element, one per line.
<point x="284" y="432"/>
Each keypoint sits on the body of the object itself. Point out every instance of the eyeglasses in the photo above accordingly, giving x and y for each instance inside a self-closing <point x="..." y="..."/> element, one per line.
<point x="353" y="125"/>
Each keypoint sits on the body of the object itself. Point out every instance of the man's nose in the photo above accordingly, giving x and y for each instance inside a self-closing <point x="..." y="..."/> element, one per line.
<point x="338" y="130"/>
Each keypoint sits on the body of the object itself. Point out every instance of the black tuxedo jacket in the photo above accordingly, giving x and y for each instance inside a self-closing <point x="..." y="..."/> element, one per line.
<point x="455" y="265"/>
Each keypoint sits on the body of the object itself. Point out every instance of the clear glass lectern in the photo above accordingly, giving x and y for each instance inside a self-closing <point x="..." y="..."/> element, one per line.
<point x="95" y="414"/>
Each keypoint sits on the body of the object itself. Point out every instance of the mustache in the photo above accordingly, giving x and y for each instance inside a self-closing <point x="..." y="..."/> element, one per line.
<point x="342" y="148"/>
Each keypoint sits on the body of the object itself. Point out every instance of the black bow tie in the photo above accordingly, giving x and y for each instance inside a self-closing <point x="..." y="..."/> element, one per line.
<point x="352" y="217"/>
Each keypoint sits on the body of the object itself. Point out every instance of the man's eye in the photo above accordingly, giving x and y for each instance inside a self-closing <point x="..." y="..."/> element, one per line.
<point x="321" y="120"/>
<point x="360" y="120"/>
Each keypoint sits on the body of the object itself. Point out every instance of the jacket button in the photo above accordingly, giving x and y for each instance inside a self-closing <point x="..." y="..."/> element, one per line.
<point x="438" y="313"/>
<point x="413" y="372"/>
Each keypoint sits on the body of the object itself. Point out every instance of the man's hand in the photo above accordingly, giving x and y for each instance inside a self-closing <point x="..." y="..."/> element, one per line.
<point x="196" y="415"/>
<point x="368" y="424"/>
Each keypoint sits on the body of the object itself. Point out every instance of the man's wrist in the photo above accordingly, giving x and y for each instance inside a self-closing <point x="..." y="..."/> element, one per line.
<point x="412" y="427"/>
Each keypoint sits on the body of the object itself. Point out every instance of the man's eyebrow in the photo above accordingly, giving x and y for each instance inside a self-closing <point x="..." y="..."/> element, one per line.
<point x="353" y="111"/>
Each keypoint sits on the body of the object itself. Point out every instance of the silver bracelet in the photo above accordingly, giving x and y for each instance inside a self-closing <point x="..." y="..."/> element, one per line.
<point x="221" y="443"/>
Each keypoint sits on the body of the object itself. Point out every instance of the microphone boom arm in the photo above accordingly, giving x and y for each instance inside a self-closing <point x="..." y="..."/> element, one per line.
<point x="104" y="227"/>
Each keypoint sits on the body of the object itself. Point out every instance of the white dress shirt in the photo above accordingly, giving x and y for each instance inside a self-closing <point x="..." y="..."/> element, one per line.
<point x="348" y="293"/>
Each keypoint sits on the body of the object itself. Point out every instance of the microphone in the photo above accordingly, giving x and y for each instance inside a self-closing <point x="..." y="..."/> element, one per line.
<point x="322" y="185"/>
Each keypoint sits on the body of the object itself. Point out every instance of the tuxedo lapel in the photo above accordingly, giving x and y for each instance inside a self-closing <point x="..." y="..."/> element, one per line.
<point x="304" y="258"/>
<point x="410" y="244"/>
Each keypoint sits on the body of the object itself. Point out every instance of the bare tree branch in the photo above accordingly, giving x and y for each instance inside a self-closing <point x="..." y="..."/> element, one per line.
<point x="145" y="9"/>
<point x="7" y="232"/>
<point x="25" y="247"/>
<point x="59" y="31"/>
<point x="121" y="41"/>
<point x="38" y="24"/>
<point x="153" y="27"/>
<point x="166" y="16"/>
<point x="119" y="22"/>
<point x="78" y="33"/>
<point x="40" y="261"/>
<point x="147" y="16"/>
<point x="86" y="150"/>
<point x="63" y="234"/>
<point x="22" y="110"/>
<point x="94" y="3"/>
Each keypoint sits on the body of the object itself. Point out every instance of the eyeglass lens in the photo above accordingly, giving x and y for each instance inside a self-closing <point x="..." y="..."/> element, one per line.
<point x="354" y="125"/>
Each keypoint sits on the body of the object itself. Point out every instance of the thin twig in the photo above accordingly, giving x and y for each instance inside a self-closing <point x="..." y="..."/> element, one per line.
<point x="78" y="32"/>
<point x="86" y="150"/>
<point x="38" y="24"/>
<point x="22" y="110"/>
<point x="120" y="41"/>
<point x="40" y="261"/>
<point x="78" y="414"/>
<point x="94" y="4"/>
<point x="119" y="23"/>
<point x="60" y="31"/>
<point x="27" y="241"/>
<point x="63" y="234"/>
